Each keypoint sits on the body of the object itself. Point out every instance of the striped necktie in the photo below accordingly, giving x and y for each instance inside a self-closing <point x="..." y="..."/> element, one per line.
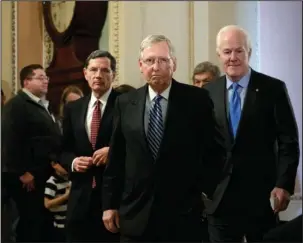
<point x="155" y="126"/>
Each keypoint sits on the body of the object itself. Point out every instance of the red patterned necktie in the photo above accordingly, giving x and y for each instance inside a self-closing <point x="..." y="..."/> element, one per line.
<point x="94" y="129"/>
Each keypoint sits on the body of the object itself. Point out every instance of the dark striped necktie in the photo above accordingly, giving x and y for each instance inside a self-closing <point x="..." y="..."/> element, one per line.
<point x="155" y="126"/>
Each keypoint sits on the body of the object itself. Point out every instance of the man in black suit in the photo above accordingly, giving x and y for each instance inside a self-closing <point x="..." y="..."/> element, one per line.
<point x="30" y="141"/>
<point x="87" y="127"/>
<point x="290" y="231"/>
<point x="255" y="113"/>
<point x="162" y="155"/>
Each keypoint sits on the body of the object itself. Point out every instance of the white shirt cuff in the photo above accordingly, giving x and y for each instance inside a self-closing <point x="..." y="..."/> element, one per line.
<point x="73" y="165"/>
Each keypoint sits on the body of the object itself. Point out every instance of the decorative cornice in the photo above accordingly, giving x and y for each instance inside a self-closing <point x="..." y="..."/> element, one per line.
<point x="48" y="47"/>
<point x="191" y="38"/>
<point x="114" y="18"/>
<point x="14" y="48"/>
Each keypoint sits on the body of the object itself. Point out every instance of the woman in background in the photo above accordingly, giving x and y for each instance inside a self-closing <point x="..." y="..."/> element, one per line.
<point x="70" y="93"/>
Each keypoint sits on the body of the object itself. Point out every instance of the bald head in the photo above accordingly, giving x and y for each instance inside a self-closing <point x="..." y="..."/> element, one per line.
<point x="234" y="50"/>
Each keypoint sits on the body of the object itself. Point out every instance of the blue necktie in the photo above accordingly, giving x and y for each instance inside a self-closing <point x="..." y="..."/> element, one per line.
<point x="155" y="126"/>
<point x="235" y="108"/>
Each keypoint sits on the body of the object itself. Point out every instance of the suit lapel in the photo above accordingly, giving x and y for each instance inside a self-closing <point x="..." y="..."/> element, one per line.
<point x="106" y="117"/>
<point x="249" y="103"/>
<point x="137" y="112"/>
<point x="173" y="111"/>
<point x="221" y="99"/>
<point x="82" y="119"/>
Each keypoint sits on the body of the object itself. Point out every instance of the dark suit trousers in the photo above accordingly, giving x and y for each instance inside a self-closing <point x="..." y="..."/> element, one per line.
<point x="288" y="232"/>
<point x="34" y="220"/>
<point x="91" y="228"/>
<point x="236" y="218"/>
<point x="187" y="228"/>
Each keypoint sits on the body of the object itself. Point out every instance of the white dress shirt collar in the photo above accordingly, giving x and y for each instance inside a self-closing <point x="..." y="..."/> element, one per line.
<point x="103" y="99"/>
<point x="164" y="94"/>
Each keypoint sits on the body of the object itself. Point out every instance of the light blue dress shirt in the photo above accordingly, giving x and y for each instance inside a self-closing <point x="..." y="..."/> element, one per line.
<point x="243" y="82"/>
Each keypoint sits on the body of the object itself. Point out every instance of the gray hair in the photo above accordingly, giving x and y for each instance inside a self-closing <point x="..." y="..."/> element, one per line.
<point x="234" y="28"/>
<point x="205" y="67"/>
<point x="152" y="39"/>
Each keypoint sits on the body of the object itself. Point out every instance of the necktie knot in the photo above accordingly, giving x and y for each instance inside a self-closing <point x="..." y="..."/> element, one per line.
<point x="235" y="86"/>
<point x="158" y="98"/>
<point x="97" y="103"/>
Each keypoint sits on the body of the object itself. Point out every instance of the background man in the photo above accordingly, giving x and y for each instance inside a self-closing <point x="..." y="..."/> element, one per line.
<point x="30" y="141"/>
<point x="205" y="72"/>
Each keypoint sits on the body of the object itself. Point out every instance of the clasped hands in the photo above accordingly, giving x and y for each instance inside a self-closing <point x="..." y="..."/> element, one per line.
<point x="81" y="164"/>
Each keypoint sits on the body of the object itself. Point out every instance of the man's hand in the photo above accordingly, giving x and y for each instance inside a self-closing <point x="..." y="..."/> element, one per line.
<point x="100" y="156"/>
<point x="81" y="164"/>
<point x="28" y="181"/>
<point x="111" y="220"/>
<point x="281" y="199"/>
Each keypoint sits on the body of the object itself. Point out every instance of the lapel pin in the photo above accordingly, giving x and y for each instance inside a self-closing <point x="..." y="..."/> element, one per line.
<point x="257" y="90"/>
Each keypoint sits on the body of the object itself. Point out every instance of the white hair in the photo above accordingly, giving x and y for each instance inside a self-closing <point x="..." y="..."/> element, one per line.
<point x="233" y="28"/>
<point x="152" y="39"/>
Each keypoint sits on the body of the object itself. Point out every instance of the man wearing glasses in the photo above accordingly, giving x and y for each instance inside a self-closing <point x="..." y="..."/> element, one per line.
<point x="30" y="141"/>
<point x="160" y="158"/>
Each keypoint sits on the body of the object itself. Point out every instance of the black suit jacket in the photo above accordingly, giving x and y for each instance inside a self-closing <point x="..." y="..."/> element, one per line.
<point x="30" y="139"/>
<point x="265" y="152"/>
<point x="290" y="231"/>
<point x="168" y="189"/>
<point x="76" y="143"/>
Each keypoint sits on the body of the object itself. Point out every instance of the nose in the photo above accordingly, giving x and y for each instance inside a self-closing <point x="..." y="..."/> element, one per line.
<point x="233" y="56"/>
<point x="99" y="73"/>
<point x="156" y="65"/>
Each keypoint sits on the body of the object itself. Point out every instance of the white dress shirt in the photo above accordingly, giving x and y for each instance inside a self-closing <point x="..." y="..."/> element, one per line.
<point x="163" y="102"/>
<point x="90" y="110"/>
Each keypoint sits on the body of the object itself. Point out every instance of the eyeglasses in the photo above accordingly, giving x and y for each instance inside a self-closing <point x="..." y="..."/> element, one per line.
<point x="161" y="61"/>
<point x="41" y="78"/>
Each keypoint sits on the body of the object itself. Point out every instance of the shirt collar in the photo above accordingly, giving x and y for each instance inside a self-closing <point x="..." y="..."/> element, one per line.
<point x="164" y="94"/>
<point x="243" y="82"/>
<point x="31" y="95"/>
<point x="103" y="99"/>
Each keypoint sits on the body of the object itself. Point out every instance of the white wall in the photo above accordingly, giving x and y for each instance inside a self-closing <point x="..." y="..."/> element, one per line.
<point x="211" y="16"/>
<point x="281" y="53"/>
<point x="142" y="18"/>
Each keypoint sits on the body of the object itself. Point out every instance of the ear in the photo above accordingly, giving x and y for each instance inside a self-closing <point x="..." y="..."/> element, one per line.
<point x="140" y="65"/>
<point x="85" y="73"/>
<point x="25" y="82"/>
<point x="249" y="53"/>
<point x="175" y="64"/>
<point x="218" y="53"/>
<point x="114" y="76"/>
